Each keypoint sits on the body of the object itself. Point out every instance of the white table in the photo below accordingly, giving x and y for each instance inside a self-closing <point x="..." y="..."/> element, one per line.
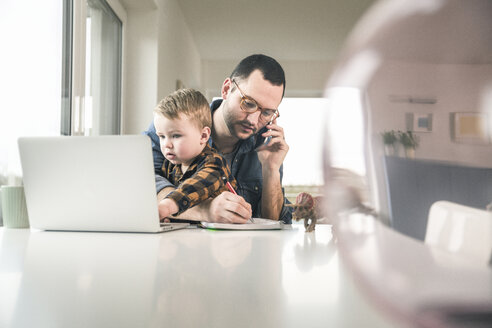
<point x="186" y="278"/>
<point x="409" y="280"/>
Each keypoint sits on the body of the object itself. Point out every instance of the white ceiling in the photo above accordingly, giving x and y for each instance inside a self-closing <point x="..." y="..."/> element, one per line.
<point x="284" y="29"/>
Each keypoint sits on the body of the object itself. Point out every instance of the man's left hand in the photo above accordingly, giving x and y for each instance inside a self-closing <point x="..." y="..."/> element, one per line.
<point x="272" y="155"/>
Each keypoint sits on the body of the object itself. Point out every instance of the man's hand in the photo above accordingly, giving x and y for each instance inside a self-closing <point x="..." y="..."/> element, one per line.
<point x="229" y="208"/>
<point x="225" y="208"/>
<point x="272" y="155"/>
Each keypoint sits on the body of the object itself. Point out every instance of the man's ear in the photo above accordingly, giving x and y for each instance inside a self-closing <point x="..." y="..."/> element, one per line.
<point x="226" y="88"/>
<point x="205" y="135"/>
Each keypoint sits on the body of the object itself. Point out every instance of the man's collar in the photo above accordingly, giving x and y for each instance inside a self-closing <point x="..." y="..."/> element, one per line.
<point x="213" y="107"/>
<point x="215" y="104"/>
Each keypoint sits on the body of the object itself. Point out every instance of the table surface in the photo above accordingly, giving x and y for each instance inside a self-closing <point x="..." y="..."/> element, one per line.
<point x="186" y="278"/>
<point x="421" y="285"/>
<point x="367" y="275"/>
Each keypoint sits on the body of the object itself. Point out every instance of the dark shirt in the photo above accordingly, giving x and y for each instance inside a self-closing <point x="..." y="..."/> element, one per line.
<point x="245" y="168"/>
<point x="205" y="178"/>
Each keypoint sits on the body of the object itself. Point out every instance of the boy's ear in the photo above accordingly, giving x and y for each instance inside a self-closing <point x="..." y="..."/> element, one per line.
<point x="205" y="135"/>
<point x="226" y="88"/>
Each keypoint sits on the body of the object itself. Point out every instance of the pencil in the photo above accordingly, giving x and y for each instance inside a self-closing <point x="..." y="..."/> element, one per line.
<point x="229" y="186"/>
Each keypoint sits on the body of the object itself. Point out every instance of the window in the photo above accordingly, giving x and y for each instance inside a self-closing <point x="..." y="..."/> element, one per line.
<point x="30" y="66"/>
<point x="303" y="122"/>
<point x="46" y="79"/>
<point x="95" y="106"/>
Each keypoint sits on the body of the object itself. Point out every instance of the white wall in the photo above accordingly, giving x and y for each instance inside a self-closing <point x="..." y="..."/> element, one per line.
<point x="178" y="54"/>
<point x="140" y="87"/>
<point x="160" y="50"/>
<point x="303" y="78"/>
<point x="457" y="88"/>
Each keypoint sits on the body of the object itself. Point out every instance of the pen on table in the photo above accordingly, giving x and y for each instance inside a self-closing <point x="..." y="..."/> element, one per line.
<point x="229" y="186"/>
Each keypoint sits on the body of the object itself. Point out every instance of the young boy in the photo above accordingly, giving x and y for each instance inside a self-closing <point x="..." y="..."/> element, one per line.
<point x="183" y="123"/>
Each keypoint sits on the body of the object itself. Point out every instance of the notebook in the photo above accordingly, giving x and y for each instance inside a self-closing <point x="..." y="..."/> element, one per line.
<point x="252" y="224"/>
<point x="103" y="183"/>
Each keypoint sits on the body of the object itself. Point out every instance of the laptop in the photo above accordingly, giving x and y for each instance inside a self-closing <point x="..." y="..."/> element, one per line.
<point x="103" y="183"/>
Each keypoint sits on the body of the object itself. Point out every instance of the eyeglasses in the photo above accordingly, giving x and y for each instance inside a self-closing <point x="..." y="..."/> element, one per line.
<point x="249" y="105"/>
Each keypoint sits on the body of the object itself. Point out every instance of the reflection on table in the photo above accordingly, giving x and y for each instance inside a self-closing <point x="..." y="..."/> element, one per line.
<point x="420" y="284"/>
<point x="186" y="278"/>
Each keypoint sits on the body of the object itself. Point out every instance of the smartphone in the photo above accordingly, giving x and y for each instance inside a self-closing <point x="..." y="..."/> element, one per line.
<point x="269" y="138"/>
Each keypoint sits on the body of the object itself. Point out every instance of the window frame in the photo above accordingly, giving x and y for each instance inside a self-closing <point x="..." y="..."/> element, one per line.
<point x="74" y="65"/>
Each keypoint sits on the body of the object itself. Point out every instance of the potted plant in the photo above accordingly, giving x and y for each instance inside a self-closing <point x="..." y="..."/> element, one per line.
<point x="409" y="141"/>
<point x="390" y="143"/>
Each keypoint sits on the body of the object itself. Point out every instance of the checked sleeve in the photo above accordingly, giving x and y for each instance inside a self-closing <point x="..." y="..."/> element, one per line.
<point x="207" y="180"/>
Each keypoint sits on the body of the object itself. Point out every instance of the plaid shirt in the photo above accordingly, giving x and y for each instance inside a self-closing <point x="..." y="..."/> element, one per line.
<point x="205" y="178"/>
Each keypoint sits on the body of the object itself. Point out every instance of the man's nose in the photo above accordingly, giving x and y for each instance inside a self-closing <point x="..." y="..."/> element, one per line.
<point x="254" y="117"/>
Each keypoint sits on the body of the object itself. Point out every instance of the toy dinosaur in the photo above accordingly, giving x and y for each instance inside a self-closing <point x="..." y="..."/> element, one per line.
<point x="308" y="208"/>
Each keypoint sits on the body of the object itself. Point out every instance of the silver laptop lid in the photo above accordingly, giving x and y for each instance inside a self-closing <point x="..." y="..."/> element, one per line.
<point x="103" y="183"/>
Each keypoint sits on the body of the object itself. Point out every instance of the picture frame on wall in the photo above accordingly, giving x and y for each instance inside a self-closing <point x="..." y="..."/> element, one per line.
<point x="470" y="127"/>
<point x="418" y="122"/>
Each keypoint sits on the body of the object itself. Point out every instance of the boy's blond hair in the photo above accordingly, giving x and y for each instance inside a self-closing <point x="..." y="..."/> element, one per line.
<point x="190" y="102"/>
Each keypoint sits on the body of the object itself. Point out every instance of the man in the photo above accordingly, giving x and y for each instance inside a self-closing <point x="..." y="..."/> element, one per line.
<point x="242" y="119"/>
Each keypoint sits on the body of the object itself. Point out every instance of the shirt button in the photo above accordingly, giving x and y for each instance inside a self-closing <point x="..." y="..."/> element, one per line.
<point x="185" y="202"/>
<point x="256" y="188"/>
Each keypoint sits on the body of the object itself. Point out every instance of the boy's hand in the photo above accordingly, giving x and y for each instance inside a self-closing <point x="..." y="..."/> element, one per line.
<point x="167" y="207"/>
<point x="164" y="192"/>
<point x="229" y="208"/>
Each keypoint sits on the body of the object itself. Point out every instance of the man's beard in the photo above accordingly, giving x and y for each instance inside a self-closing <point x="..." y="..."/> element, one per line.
<point x="231" y="123"/>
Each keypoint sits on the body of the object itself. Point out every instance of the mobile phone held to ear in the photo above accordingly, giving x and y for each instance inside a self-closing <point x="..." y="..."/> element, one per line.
<point x="267" y="140"/>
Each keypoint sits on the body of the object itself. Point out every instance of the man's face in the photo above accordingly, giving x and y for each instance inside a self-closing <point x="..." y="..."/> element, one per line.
<point x="240" y="123"/>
